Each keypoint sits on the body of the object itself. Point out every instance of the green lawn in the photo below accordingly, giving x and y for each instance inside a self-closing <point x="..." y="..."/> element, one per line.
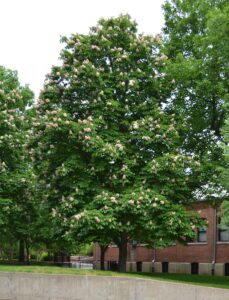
<point x="205" y="280"/>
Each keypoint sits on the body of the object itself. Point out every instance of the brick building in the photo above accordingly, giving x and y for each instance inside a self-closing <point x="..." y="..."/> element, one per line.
<point x="207" y="254"/>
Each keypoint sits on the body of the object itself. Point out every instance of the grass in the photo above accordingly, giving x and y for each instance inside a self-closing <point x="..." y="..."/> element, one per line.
<point x="203" y="280"/>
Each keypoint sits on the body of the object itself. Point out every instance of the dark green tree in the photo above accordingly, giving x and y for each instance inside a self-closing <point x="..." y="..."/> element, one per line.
<point x="196" y="41"/>
<point x="16" y="176"/>
<point x="225" y="172"/>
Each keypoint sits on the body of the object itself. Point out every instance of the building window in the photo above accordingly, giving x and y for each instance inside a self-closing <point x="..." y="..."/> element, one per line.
<point x="139" y="266"/>
<point x="226" y="270"/>
<point x="202" y="235"/>
<point x="194" y="268"/>
<point x="223" y="233"/>
<point x="165" y="267"/>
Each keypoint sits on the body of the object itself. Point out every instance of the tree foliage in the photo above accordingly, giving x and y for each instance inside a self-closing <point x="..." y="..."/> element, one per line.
<point x="196" y="43"/>
<point x="196" y="39"/>
<point x="109" y="157"/>
<point x="225" y="172"/>
<point x="16" y="176"/>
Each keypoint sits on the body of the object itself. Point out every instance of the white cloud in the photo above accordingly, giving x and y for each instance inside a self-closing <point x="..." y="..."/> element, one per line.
<point x="30" y="30"/>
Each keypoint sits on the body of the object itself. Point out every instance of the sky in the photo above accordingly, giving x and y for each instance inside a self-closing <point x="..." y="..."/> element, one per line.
<point x="30" y="30"/>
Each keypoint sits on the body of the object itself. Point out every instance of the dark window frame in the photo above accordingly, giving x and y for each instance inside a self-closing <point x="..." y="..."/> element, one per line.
<point x="139" y="266"/>
<point x="198" y="239"/>
<point x="165" y="267"/>
<point x="194" y="268"/>
<point x="226" y="269"/>
<point x="202" y="231"/>
<point x="224" y="231"/>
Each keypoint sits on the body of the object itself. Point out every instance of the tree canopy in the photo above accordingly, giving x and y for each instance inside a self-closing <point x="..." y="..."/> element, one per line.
<point x="196" y="40"/>
<point x="225" y="172"/>
<point x="16" y="176"/>
<point x="110" y="157"/>
<point x="126" y="134"/>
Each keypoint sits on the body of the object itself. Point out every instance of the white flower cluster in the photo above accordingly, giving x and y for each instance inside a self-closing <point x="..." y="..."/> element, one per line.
<point x="124" y="167"/>
<point x="146" y="138"/>
<point x="97" y="219"/>
<point x="87" y="129"/>
<point x="162" y="58"/>
<point x="131" y="202"/>
<point x="113" y="200"/>
<point x="79" y="216"/>
<point x="53" y="212"/>
<point x="3" y="166"/>
<point x="119" y="146"/>
<point x="132" y="82"/>
<point x="95" y="47"/>
<point x="135" y="125"/>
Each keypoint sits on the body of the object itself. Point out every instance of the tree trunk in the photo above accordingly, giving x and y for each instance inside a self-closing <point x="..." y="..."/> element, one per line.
<point x="11" y="254"/>
<point x="122" y="245"/>
<point x="27" y="253"/>
<point x="22" y="251"/>
<point x="103" y="249"/>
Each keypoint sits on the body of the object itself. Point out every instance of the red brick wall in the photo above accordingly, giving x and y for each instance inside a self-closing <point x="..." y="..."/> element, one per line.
<point x="193" y="252"/>
<point x="222" y="253"/>
<point x="196" y="252"/>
